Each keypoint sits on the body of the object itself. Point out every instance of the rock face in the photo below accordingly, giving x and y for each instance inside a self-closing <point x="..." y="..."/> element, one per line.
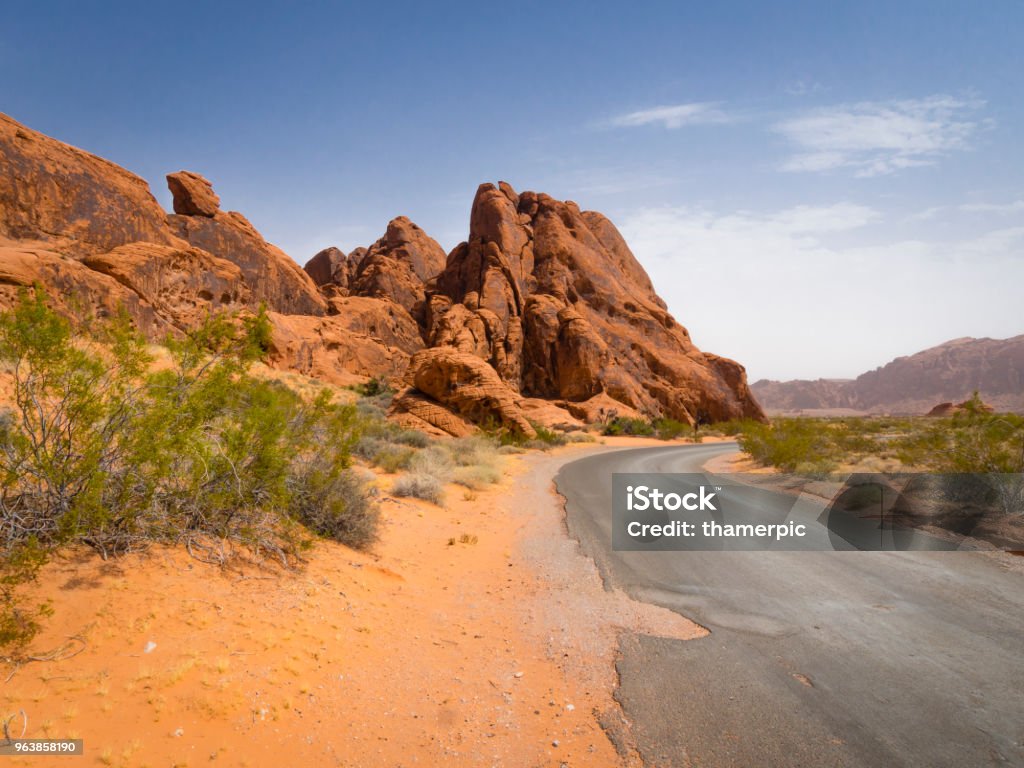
<point x="182" y="285"/>
<point x="949" y="373"/>
<point x="543" y="315"/>
<point x="464" y="385"/>
<point x="325" y="348"/>
<point x="554" y="300"/>
<point x="77" y="202"/>
<point x="396" y="267"/>
<point x="272" y="275"/>
<point x="322" y="267"/>
<point x="193" y="195"/>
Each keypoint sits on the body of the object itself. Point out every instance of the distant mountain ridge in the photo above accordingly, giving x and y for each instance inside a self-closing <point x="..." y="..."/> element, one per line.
<point x="949" y="372"/>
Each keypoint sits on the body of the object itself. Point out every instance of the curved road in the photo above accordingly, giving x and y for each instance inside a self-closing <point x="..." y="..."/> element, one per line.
<point x="814" y="658"/>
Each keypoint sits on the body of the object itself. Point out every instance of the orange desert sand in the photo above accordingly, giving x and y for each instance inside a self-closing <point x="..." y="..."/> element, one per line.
<point x="497" y="649"/>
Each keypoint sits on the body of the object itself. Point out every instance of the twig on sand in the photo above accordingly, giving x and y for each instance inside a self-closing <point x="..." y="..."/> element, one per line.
<point x="64" y="651"/>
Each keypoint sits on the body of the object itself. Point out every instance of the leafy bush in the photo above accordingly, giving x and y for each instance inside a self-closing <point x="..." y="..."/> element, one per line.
<point x="378" y="385"/>
<point x="792" y="445"/>
<point x="670" y="429"/>
<point x="420" y="486"/>
<point x="99" y="449"/>
<point x="548" y="437"/>
<point x="620" y="425"/>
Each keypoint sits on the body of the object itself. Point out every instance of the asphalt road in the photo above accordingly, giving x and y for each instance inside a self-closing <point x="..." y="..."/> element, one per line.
<point x="814" y="658"/>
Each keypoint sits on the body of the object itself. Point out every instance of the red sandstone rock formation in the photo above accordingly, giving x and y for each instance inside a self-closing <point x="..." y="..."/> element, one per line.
<point x="543" y="315"/>
<point x="193" y="195"/>
<point x="554" y="300"/>
<point x="462" y="384"/>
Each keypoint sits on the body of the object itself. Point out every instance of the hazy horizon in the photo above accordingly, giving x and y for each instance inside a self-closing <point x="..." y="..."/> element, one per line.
<point x="814" y="192"/>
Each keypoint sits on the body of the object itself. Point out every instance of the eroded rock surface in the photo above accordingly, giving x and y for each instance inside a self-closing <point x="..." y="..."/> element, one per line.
<point x="554" y="300"/>
<point x="464" y="385"/>
<point x="543" y="315"/>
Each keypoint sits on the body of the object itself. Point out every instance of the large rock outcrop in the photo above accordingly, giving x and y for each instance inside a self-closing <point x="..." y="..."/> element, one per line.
<point x="77" y="202"/>
<point x="183" y="285"/>
<point x="542" y="315"/>
<point x="397" y="267"/>
<point x="554" y="300"/>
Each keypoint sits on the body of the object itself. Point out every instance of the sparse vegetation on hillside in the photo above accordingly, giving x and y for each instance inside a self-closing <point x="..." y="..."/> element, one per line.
<point x="98" y="448"/>
<point x="973" y="440"/>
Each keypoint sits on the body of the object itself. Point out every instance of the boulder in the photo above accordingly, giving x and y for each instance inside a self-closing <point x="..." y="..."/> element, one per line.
<point x="549" y="414"/>
<point x="193" y="195"/>
<point x="466" y="386"/>
<point x="600" y="409"/>
<point x="322" y="267"/>
<point x="412" y="409"/>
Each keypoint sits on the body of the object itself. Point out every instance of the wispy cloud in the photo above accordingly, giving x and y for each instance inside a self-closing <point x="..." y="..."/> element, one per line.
<point x="880" y="137"/>
<point x="673" y="116"/>
<point x="1017" y="206"/>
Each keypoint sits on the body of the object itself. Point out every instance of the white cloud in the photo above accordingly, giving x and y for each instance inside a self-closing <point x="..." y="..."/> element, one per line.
<point x="875" y="138"/>
<point x="817" y="291"/>
<point x="673" y="116"/>
<point x="1017" y="206"/>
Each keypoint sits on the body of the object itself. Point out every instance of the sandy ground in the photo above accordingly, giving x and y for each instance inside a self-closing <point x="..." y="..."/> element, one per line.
<point x="473" y="635"/>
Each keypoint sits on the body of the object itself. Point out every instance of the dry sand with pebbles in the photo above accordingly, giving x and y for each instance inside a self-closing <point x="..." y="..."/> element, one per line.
<point x="475" y="634"/>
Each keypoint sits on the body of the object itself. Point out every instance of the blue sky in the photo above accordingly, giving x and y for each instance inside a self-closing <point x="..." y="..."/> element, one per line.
<point x="815" y="188"/>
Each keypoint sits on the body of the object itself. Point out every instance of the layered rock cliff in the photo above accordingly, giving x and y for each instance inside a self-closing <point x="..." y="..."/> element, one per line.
<point x="543" y="314"/>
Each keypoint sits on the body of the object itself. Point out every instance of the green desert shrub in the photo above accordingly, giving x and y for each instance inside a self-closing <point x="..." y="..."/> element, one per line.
<point x="393" y="458"/>
<point x="548" y="438"/>
<point x="620" y="425"/>
<point x="670" y="429"/>
<point x="99" y="449"/>
<point x="797" y="445"/>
